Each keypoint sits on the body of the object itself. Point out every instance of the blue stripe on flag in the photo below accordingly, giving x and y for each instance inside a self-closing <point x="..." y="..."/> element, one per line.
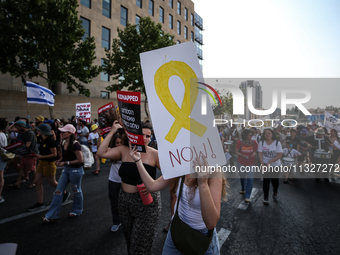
<point x="34" y="99"/>
<point x="33" y="85"/>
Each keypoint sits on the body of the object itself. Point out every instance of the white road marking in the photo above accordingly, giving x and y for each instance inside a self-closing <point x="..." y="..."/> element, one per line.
<point x="244" y="205"/>
<point x="22" y="215"/>
<point x="223" y="235"/>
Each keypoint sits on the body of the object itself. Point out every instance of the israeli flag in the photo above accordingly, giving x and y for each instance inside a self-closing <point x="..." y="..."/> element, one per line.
<point x="39" y="95"/>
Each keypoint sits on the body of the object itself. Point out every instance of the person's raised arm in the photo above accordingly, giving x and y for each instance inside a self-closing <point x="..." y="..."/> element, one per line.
<point x="151" y="184"/>
<point x="210" y="190"/>
<point x="104" y="151"/>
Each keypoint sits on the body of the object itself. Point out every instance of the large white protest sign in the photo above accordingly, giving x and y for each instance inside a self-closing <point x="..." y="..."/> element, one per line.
<point x="83" y="112"/>
<point x="332" y="122"/>
<point x="171" y="78"/>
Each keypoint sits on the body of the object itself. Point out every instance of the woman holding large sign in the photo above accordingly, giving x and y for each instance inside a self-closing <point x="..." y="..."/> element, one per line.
<point x="197" y="209"/>
<point x="139" y="221"/>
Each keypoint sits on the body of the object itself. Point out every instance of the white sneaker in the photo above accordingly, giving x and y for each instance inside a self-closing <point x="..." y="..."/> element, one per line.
<point x="2" y="200"/>
<point x="114" y="228"/>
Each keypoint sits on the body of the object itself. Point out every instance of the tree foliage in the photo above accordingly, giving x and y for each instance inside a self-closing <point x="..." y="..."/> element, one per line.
<point x="227" y="105"/>
<point x="47" y="32"/>
<point x="122" y="61"/>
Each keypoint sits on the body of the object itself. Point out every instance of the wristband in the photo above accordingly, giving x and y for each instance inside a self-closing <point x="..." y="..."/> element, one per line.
<point x="137" y="160"/>
<point x="68" y="163"/>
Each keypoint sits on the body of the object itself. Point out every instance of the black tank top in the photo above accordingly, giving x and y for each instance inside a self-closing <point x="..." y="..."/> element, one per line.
<point x="129" y="173"/>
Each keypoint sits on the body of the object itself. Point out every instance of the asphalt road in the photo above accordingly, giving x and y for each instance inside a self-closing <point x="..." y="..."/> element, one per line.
<point x="305" y="220"/>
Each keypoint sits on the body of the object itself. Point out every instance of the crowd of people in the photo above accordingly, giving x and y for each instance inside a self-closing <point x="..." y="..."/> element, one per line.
<point x="195" y="200"/>
<point x="58" y="144"/>
<point x="304" y="147"/>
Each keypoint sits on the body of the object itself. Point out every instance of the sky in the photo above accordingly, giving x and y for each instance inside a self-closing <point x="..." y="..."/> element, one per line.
<point x="256" y="39"/>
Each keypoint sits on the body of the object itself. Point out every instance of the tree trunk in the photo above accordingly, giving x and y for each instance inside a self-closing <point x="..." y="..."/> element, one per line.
<point x="145" y="107"/>
<point x="51" y="112"/>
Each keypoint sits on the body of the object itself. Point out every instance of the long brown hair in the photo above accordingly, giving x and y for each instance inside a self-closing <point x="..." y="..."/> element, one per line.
<point x="69" y="149"/>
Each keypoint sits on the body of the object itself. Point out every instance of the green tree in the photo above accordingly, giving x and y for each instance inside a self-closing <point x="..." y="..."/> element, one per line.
<point x="47" y="32"/>
<point x="227" y="105"/>
<point x="122" y="61"/>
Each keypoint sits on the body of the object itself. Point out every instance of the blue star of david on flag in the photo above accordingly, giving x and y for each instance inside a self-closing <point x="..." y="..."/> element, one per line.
<point x="39" y="95"/>
<point x="42" y="94"/>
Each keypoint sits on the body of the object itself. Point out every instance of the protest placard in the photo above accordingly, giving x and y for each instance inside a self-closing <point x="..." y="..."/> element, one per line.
<point x="19" y="148"/>
<point x="83" y="111"/>
<point x="106" y="117"/>
<point x="129" y="106"/>
<point x="171" y="78"/>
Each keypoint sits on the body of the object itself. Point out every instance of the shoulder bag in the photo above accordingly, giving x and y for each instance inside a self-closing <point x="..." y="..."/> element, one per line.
<point x="187" y="240"/>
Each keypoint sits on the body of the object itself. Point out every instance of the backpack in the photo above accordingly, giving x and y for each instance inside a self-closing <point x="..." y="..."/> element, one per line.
<point x="88" y="159"/>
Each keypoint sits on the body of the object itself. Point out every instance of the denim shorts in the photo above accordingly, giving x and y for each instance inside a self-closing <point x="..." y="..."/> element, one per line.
<point x="169" y="247"/>
<point x="2" y="164"/>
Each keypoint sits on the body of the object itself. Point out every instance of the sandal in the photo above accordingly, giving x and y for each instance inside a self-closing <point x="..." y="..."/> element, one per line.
<point x="24" y="180"/>
<point x="13" y="186"/>
<point x="285" y="181"/>
<point x="73" y="215"/>
<point x="47" y="220"/>
<point x="31" y="186"/>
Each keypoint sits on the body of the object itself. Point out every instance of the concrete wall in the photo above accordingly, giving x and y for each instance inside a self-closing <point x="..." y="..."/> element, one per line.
<point x="14" y="103"/>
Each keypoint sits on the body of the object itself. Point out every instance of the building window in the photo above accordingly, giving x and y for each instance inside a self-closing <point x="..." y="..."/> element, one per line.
<point x="151" y="9"/>
<point x="178" y="27"/>
<point x="171" y="3"/>
<point x="171" y="24"/>
<point x="86" y="3"/>
<point x="107" y="8"/>
<point x="179" y="7"/>
<point x="104" y="95"/>
<point x="139" y="3"/>
<point x="192" y="19"/>
<point x="106" y="38"/>
<point x="86" y="25"/>
<point x="104" y="76"/>
<point x="185" y="32"/>
<point x="192" y="36"/>
<point x="161" y="14"/>
<point x="178" y="42"/>
<point x="137" y="22"/>
<point x="186" y="13"/>
<point x="123" y="15"/>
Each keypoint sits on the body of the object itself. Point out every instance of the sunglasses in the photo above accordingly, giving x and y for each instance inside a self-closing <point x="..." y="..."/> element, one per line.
<point x="66" y="132"/>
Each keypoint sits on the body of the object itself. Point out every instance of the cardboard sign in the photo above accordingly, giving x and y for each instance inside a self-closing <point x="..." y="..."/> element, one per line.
<point x="171" y="78"/>
<point x="83" y="112"/>
<point x="129" y="106"/>
<point x="106" y="117"/>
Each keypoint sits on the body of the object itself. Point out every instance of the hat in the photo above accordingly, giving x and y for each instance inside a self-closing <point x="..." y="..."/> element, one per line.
<point x="304" y="131"/>
<point x="51" y="122"/>
<point x="40" y="118"/>
<point x="68" y="128"/>
<point x="320" y="131"/>
<point x="44" y="129"/>
<point x="94" y="127"/>
<point x="22" y="123"/>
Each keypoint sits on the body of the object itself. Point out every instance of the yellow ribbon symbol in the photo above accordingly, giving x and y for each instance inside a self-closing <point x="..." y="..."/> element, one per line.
<point x="181" y="115"/>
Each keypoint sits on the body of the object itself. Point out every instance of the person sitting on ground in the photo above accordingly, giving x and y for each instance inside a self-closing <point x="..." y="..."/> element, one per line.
<point x="93" y="139"/>
<point x="73" y="172"/>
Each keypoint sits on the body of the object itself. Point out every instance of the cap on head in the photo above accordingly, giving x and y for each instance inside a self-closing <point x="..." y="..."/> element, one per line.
<point x="44" y="129"/>
<point x="320" y="131"/>
<point x="40" y="118"/>
<point x="22" y="123"/>
<point x="68" y="128"/>
<point x="94" y="127"/>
